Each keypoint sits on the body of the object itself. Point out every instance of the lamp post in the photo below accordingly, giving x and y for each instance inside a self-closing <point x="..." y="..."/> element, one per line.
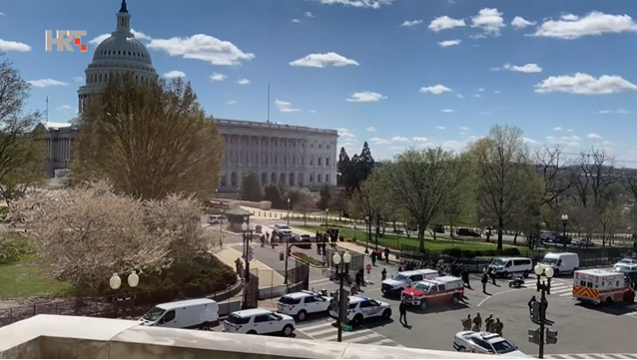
<point x="543" y="286"/>
<point x="341" y="261"/>
<point x="247" y="234"/>
<point x="564" y="223"/>
<point x="115" y="282"/>
<point x="287" y="252"/>
<point x="288" y="211"/>
<point x="367" y="227"/>
<point x="220" y="219"/>
<point x="377" y="233"/>
<point x="327" y="214"/>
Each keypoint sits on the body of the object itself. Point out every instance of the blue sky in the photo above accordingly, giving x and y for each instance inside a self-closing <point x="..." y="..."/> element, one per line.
<point x="397" y="73"/>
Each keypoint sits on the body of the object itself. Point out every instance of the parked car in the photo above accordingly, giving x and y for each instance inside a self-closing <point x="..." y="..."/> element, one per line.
<point x="281" y="230"/>
<point x="583" y="243"/>
<point x="302" y="303"/>
<point x="626" y="261"/>
<point x="439" y="228"/>
<point x="302" y="241"/>
<point x="485" y="343"/>
<point x="467" y="232"/>
<point x="259" y="322"/>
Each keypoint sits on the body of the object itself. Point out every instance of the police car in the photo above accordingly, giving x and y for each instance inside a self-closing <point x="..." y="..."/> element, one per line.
<point x="362" y="308"/>
<point x="485" y="343"/>
<point x="302" y="303"/>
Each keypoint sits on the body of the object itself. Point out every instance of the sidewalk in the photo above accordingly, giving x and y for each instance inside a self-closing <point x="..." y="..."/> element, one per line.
<point x="228" y="256"/>
<point x="282" y="214"/>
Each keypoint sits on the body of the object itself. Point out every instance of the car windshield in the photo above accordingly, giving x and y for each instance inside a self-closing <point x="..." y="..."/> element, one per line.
<point x="549" y="261"/>
<point x="284" y="227"/>
<point x="503" y="347"/>
<point x="498" y="262"/>
<point x="399" y="277"/>
<point x="422" y="287"/>
<point x="154" y="314"/>
<point x="622" y="268"/>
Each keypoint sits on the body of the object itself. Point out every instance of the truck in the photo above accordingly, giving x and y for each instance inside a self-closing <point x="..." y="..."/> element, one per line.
<point x="599" y="286"/>
<point x="440" y="290"/>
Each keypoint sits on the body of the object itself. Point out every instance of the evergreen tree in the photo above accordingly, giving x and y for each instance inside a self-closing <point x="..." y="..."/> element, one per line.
<point x="343" y="168"/>
<point x="365" y="163"/>
<point x="272" y="194"/>
<point x="250" y="187"/>
<point x="325" y="196"/>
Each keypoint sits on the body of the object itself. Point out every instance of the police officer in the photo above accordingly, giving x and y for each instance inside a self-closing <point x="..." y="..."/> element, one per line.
<point x="383" y="274"/>
<point x="466" y="323"/>
<point x="402" y="309"/>
<point x="484" y="282"/>
<point x="499" y="326"/>
<point x="493" y="276"/>
<point x="477" y="322"/>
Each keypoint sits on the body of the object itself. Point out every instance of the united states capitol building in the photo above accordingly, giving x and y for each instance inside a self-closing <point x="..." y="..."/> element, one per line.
<point x="294" y="155"/>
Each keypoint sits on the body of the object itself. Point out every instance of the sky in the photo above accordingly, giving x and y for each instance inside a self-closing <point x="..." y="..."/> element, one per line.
<point x="395" y="73"/>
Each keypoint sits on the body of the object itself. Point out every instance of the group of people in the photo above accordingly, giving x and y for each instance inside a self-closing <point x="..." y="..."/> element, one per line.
<point x="486" y="274"/>
<point x="378" y="255"/>
<point x="491" y="325"/>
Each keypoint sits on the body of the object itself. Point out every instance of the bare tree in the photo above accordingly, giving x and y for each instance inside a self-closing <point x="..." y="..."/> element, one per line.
<point x="149" y="140"/>
<point x="306" y="202"/>
<point x="596" y="172"/>
<point x="369" y="201"/>
<point x="504" y="170"/>
<point x="558" y="181"/>
<point x="86" y="234"/>
<point x="22" y="154"/>
<point x="339" y="202"/>
<point x="610" y="219"/>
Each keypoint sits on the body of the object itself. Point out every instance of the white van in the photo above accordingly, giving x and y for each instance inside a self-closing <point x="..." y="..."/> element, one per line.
<point x="402" y="280"/>
<point x="548" y="236"/>
<point x="200" y="314"/>
<point x="562" y="263"/>
<point x="507" y="266"/>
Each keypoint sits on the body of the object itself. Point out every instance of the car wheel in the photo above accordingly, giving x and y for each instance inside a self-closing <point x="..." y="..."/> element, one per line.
<point x="288" y="330"/>
<point x="505" y="275"/>
<point x="455" y="300"/>
<point x="557" y="273"/>
<point x="252" y="332"/>
<point x="387" y="314"/>
<point x="205" y="327"/>
<point x="423" y="305"/>
<point x="462" y="349"/>
<point x="301" y="315"/>
<point x="358" y="319"/>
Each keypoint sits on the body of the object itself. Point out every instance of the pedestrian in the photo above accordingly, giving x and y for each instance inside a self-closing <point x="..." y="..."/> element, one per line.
<point x="493" y="276"/>
<point x="488" y="323"/>
<point x="402" y="308"/>
<point x="466" y="323"/>
<point x="484" y="283"/>
<point x="373" y="256"/>
<point x="400" y="269"/>
<point x="387" y="255"/>
<point x="477" y="322"/>
<point x="499" y="326"/>
<point x="465" y="278"/>
<point x="383" y="274"/>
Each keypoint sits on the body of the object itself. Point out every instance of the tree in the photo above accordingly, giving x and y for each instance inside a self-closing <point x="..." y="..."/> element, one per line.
<point x="504" y="170"/>
<point x="85" y="234"/>
<point x="421" y="180"/>
<point x="558" y="182"/>
<point x="344" y="169"/>
<point x="305" y="203"/>
<point x="271" y="193"/>
<point x="149" y="140"/>
<point x="325" y="196"/>
<point x="339" y="202"/>
<point x="460" y="203"/>
<point x="22" y="154"/>
<point x="368" y="201"/>
<point x="251" y="187"/>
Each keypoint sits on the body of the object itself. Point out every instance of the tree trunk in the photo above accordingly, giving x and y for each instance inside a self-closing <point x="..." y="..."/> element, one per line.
<point x="500" y="230"/>
<point x="304" y="219"/>
<point x="421" y="238"/>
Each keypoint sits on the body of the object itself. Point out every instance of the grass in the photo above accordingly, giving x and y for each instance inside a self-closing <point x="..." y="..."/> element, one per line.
<point x="25" y="278"/>
<point x="396" y="241"/>
<point x="307" y="258"/>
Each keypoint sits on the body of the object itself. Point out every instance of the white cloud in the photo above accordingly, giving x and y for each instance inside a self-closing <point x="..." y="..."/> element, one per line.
<point x="42" y="83"/>
<point x="528" y="68"/>
<point x="324" y="60"/>
<point x="374" y="4"/>
<point x="138" y="35"/>
<point x="571" y="26"/>
<point x="489" y="20"/>
<point x="558" y="128"/>
<point x="463" y="128"/>
<point x="366" y="96"/>
<point x="460" y="96"/>
<point x="379" y="141"/>
<point x="6" y="45"/>
<point x="345" y="133"/>
<point x="78" y="79"/>
<point x="497" y="91"/>
<point x="572" y="139"/>
<point x="371" y="129"/>
<point x="243" y="81"/>
<point x="448" y="110"/>
<point x="98" y="39"/>
<point x="217" y="77"/>
<point x="618" y="111"/>
<point x="296" y="21"/>
<point x="594" y="136"/>
<point x="445" y="23"/>
<point x="64" y="107"/>
<point x="232" y="102"/>
<point x="440" y="127"/>
<point x="400" y="139"/>
<point x="527" y="140"/>
<point x="477" y="95"/>
<point x="481" y="89"/>
<point x="2" y="14"/>
<point x="202" y="47"/>
<point x="520" y="22"/>
<point x="313" y="111"/>
<point x="448" y="43"/>
<point x="411" y="23"/>
<point x="420" y="139"/>
<point x="436" y="89"/>
<point x="285" y="106"/>
<point x="581" y="83"/>
<point x="175" y="74"/>
<point x="309" y="14"/>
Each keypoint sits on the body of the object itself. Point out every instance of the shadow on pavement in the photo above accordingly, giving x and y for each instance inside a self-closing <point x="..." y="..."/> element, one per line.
<point x="433" y="309"/>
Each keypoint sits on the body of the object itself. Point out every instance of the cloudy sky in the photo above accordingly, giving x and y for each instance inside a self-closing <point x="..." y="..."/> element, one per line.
<point x="397" y="73"/>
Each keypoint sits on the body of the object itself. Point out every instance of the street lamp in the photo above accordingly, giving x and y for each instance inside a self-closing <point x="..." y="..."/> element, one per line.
<point x="220" y="219"/>
<point x="342" y="271"/>
<point x="288" y="211"/>
<point x="327" y="213"/>
<point x="115" y="282"/>
<point x="564" y="223"/>
<point x="539" y="311"/>
<point x="247" y="235"/>
<point x="367" y="230"/>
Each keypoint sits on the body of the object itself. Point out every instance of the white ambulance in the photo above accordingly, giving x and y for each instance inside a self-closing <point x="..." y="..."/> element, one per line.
<point x="599" y="286"/>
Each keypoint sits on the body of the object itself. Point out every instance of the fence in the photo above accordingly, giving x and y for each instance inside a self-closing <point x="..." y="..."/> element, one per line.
<point x="275" y="283"/>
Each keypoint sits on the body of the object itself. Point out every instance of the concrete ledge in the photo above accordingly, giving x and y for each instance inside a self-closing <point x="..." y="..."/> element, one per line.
<point x="54" y="336"/>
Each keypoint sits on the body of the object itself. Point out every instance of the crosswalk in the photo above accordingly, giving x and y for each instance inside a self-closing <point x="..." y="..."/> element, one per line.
<point x="591" y="356"/>
<point x="326" y="330"/>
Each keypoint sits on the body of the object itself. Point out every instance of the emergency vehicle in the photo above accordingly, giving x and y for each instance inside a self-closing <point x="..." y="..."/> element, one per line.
<point x="361" y="308"/>
<point x="302" y="303"/>
<point x="440" y="290"/>
<point x="601" y="286"/>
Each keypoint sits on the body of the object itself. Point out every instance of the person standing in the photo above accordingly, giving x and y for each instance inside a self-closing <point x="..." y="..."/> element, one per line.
<point x="477" y="322"/>
<point x="402" y="309"/>
<point x="383" y="274"/>
<point x="387" y="255"/>
<point x="373" y="257"/>
<point x="499" y="326"/>
<point x="484" y="281"/>
<point x="466" y="323"/>
<point x="493" y="276"/>
<point x="488" y="323"/>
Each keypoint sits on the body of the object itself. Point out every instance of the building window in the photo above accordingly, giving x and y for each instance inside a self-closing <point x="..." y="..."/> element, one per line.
<point x="294" y="160"/>
<point x="312" y="146"/>
<point x="327" y="147"/>
<point x="311" y="178"/>
<point x="276" y="160"/>
<point x="319" y="161"/>
<point x="318" y="178"/>
<point x="320" y="146"/>
<point x="311" y="161"/>
<point x="285" y="161"/>
<point x="327" y="178"/>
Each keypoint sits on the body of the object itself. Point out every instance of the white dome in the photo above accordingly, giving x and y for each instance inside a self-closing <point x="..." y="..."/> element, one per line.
<point x="122" y="47"/>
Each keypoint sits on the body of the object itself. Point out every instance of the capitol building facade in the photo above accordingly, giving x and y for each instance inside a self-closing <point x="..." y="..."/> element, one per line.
<point x="293" y="155"/>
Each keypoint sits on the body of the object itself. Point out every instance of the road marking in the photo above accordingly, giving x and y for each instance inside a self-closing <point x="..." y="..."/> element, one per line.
<point x="502" y="292"/>
<point x="590" y="356"/>
<point x="326" y="331"/>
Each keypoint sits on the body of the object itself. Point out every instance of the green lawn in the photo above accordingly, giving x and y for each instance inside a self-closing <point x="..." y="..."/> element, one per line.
<point x="430" y="244"/>
<point x="25" y="278"/>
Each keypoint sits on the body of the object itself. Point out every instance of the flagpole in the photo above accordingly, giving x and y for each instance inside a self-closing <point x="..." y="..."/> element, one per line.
<point x="268" y="102"/>
<point x="47" y="110"/>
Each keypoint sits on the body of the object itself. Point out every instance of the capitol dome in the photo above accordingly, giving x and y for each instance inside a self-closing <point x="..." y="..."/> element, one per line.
<point x="119" y="53"/>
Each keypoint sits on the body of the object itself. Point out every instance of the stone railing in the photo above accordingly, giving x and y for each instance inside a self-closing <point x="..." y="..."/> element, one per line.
<point x="69" y="337"/>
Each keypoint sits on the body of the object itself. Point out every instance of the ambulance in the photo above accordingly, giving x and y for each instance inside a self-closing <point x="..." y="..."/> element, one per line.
<point x="601" y="287"/>
<point x="440" y="290"/>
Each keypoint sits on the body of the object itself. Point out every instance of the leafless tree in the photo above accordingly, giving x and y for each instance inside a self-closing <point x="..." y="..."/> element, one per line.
<point x="306" y="202"/>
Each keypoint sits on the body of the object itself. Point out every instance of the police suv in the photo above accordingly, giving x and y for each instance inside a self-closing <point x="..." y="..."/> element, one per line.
<point x="302" y="303"/>
<point x="361" y="308"/>
<point x="485" y="343"/>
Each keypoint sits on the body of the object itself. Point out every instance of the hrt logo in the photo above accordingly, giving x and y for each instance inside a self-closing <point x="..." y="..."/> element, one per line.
<point x="66" y="40"/>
